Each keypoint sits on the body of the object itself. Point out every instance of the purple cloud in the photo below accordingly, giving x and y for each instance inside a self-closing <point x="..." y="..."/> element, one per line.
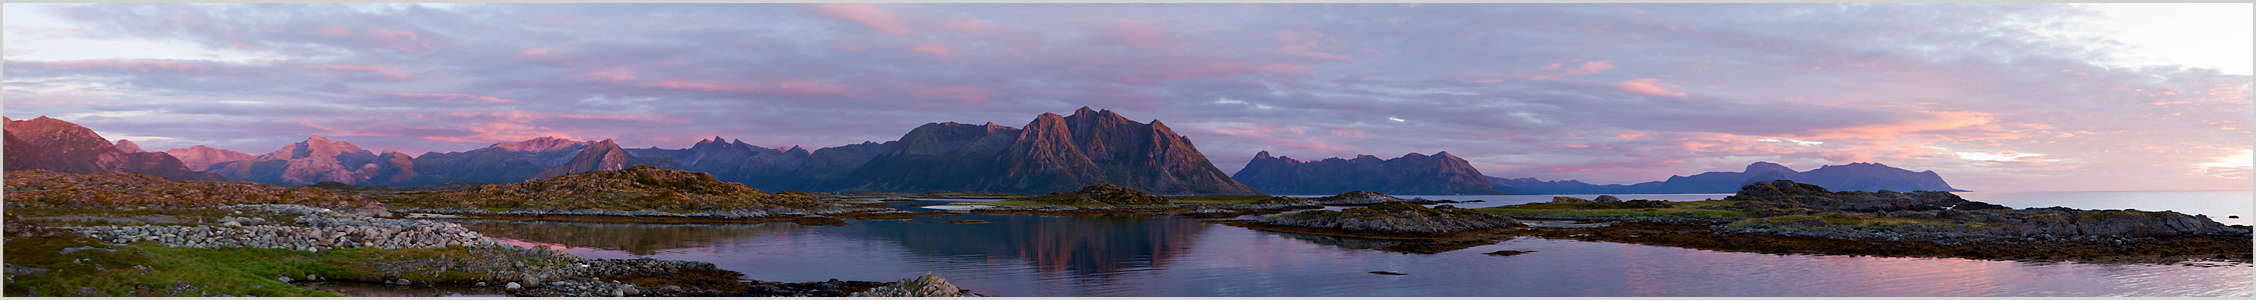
<point x="1611" y="93"/>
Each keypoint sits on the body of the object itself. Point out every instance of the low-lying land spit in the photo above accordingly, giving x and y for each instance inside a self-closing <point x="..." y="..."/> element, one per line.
<point x="1787" y="217"/>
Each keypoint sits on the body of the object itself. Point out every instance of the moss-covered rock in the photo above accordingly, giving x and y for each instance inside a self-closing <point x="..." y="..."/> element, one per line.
<point x="1103" y="194"/>
<point x="1393" y="217"/>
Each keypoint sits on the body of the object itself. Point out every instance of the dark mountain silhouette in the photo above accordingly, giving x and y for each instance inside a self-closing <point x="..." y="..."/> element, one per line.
<point x="1051" y="154"/>
<point x="1411" y="174"/>
<point x="497" y="163"/>
<point x="1849" y="177"/>
<point x="201" y="158"/>
<point x="49" y="144"/>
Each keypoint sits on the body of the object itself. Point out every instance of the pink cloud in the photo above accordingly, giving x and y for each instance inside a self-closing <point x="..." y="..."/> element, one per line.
<point x="437" y="96"/>
<point x="404" y="40"/>
<point x="539" y="54"/>
<point x="867" y="15"/>
<point x="387" y="72"/>
<point x="1305" y="44"/>
<point x="935" y="50"/>
<point x="789" y="88"/>
<point x="1348" y="133"/>
<point x="333" y="31"/>
<point x="136" y="65"/>
<point x="1139" y="34"/>
<point x="1923" y="121"/>
<point x="1649" y="87"/>
<point x="610" y="74"/>
<point x="1554" y="71"/>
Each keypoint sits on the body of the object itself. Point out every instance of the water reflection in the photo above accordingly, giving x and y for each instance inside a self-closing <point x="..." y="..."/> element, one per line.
<point x="1030" y="255"/>
<point x="1079" y="245"/>
<point x="1396" y="246"/>
<point x="636" y="239"/>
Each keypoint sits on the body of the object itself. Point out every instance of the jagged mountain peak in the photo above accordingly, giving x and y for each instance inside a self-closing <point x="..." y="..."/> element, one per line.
<point x="539" y="144"/>
<point x="128" y="146"/>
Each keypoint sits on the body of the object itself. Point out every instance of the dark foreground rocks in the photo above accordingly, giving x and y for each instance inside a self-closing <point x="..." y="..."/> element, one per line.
<point x="670" y="278"/>
<point x="1914" y="241"/>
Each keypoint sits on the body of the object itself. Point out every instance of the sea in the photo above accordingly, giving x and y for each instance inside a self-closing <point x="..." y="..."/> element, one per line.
<point x="1033" y="255"/>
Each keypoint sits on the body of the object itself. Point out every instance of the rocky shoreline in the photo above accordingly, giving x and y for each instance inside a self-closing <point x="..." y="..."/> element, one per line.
<point x="827" y="215"/>
<point x="316" y="229"/>
<point x="1914" y="241"/>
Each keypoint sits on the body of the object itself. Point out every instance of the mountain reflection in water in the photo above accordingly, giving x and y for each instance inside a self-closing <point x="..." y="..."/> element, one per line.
<point x="1034" y="255"/>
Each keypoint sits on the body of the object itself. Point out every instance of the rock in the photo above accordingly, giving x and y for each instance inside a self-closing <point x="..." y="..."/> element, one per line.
<point x="481" y="284"/>
<point x="1565" y="199"/>
<point x="1392" y="217"/>
<point x="921" y="286"/>
<point x="1509" y="252"/>
<point x="310" y="277"/>
<point x="513" y="286"/>
<point x="284" y="279"/>
<point x="618" y="293"/>
<point x="1357" y="198"/>
<point x="1606" y="198"/>
<point x="403" y="281"/>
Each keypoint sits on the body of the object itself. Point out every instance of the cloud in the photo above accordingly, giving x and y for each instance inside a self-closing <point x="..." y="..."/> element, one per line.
<point x="1555" y="91"/>
<point x="1649" y="87"/>
<point x="867" y="15"/>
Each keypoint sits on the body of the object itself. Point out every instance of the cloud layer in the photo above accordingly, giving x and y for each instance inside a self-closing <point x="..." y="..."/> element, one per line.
<point x="1989" y="94"/>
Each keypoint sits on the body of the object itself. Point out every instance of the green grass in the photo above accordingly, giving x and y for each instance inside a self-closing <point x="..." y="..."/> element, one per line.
<point x="113" y="273"/>
<point x="232" y="271"/>
<point x="1698" y="209"/>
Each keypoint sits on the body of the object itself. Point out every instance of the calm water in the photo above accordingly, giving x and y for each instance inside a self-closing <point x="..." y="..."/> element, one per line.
<point x="1027" y="255"/>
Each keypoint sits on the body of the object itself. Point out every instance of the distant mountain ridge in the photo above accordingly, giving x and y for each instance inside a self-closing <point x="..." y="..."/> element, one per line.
<point x="1411" y="174"/>
<point x="1859" y="176"/>
<point x="49" y="144"/>
<point x="1052" y="154"/>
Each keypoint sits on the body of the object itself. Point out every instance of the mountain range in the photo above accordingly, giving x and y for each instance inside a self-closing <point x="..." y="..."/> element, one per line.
<point x="1051" y="153"/>
<point x="48" y="144"/>
<point x="1411" y="174"/>
<point x="1849" y="177"/>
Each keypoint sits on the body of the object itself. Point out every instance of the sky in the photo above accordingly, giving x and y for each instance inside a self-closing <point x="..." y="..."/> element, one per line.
<point x="1995" y="97"/>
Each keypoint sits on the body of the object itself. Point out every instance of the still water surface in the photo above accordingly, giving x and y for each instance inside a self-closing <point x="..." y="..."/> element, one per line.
<point x="1029" y="255"/>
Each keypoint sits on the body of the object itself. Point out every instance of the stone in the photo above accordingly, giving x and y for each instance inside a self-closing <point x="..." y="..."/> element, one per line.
<point x="1606" y="198"/>
<point x="630" y="290"/>
<point x="513" y="286"/>
<point x="403" y="281"/>
<point x="284" y="279"/>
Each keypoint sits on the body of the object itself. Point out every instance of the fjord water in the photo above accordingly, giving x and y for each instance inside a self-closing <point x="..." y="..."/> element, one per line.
<point x="1030" y="255"/>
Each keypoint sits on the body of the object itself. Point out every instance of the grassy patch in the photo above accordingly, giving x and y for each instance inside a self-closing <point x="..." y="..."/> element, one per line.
<point x="148" y="270"/>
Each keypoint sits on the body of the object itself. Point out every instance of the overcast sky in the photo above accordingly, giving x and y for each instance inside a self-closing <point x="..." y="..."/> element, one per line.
<point x="1996" y="97"/>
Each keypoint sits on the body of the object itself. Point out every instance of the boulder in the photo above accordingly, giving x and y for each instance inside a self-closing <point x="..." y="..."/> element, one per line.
<point x="1606" y="199"/>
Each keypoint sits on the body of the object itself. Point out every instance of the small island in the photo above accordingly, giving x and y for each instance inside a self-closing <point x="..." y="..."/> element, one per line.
<point x="638" y="194"/>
